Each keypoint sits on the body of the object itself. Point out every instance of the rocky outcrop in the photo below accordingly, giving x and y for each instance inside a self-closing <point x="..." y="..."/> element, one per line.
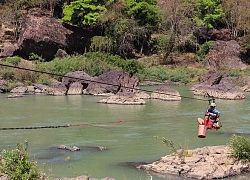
<point x="57" y="89"/>
<point x="113" y="82"/>
<point x="166" y="93"/>
<point x="19" y="88"/>
<point x="40" y="88"/>
<point x="213" y="162"/>
<point x="7" y="40"/>
<point x="8" y="49"/>
<point x="124" y="98"/>
<point x="75" y="88"/>
<point x="76" y="82"/>
<point x="79" y="82"/>
<point x="204" y="34"/>
<point x="41" y="34"/>
<point x="218" y="85"/>
<point x="225" y="55"/>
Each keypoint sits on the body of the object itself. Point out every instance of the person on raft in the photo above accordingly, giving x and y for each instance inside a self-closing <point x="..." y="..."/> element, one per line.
<point x="211" y="114"/>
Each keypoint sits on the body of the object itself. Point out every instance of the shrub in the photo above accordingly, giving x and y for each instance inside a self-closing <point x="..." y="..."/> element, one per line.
<point x="204" y="50"/>
<point x="240" y="147"/>
<point x="35" y="57"/>
<point x="15" y="164"/>
<point x="15" y="60"/>
<point x="157" y="73"/>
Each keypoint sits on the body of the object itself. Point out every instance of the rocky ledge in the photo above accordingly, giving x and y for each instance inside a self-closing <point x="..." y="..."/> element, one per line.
<point x="213" y="162"/>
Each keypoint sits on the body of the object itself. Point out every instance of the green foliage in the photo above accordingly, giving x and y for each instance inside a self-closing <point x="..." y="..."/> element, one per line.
<point x="210" y="13"/>
<point x="101" y="44"/>
<point x="8" y="74"/>
<point x="83" y="12"/>
<point x="180" y="75"/>
<point x="240" y="147"/>
<point x="16" y="165"/>
<point x="204" y="50"/>
<point x="35" y="57"/>
<point x="93" y="67"/>
<point x="161" y="74"/>
<point x="130" y="65"/>
<point x="146" y="12"/>
<point x="157" y="73"/>
<point x="234" y="72"/>
<point x="158" y="44"/>
<point x="13" y="60"/>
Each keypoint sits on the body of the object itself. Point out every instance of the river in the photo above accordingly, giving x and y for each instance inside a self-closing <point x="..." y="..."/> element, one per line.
<point x="128" y="132"/>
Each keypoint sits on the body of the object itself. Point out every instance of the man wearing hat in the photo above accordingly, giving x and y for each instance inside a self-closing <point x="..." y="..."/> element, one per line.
<point x="212" y="114"/>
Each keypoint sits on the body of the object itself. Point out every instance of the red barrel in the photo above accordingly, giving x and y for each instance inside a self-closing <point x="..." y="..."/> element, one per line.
<point x="201" y="131"/>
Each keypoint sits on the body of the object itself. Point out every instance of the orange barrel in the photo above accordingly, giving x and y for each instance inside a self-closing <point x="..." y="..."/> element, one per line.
<point x="201" y="131"/>
<point x="210" y="124"/>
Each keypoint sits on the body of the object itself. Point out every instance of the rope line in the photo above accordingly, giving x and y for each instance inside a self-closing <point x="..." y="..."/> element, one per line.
<point x="34" y="127"/>
<point x="54" y="74"/>
<point x="95" y="124"/>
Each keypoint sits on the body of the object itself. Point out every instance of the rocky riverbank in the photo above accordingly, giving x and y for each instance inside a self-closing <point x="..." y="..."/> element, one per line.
<point x="210" y="162"/>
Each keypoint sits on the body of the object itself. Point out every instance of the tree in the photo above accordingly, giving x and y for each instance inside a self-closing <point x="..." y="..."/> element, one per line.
<point x="146" y="12"/>
<point x="209" y="13"/>
<point x="84" y="12"/>
<point x="237" y="16"/>
<point x="177" y="22"/>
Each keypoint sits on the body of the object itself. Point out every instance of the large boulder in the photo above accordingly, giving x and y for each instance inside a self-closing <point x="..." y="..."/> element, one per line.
<point x="218" y="85"/>
<point x="56" y="88"/>
<point x="47" y="37"/>
<point x="113" y="82"/>
<point x="214" y="162"/>
<point x="41" y="34"/>
<point x="77" y="76"/>
<point x="8" y="49"/>
<point x="166" y="93"/>
<point x="224" y="55"/>
<point x="75" y="88"/>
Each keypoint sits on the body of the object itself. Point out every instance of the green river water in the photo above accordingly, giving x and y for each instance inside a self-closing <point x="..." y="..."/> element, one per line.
<point x="128" y="142"/>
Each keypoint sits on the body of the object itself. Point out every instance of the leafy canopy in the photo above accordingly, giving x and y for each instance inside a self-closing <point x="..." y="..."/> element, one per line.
<point x="84" y="12"/>
<point x="88" y="12"/>
<point x="210" y="12"/>
<point x="146" y="12"/>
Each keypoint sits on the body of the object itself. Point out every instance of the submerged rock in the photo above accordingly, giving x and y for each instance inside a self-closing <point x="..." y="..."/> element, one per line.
<point x="124" y="98"/>
<point x="166" y="93"/>
<point x="64" y="147"/>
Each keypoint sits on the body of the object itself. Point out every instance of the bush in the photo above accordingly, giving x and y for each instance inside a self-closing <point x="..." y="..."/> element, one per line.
<point x="204" y="50"/>
<point x="15" y="60"/>
<point x="157" y="73"/>
<point x="240" y="147"/>
<point x="93" y="67"/>
<point x="15" y="164"/>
